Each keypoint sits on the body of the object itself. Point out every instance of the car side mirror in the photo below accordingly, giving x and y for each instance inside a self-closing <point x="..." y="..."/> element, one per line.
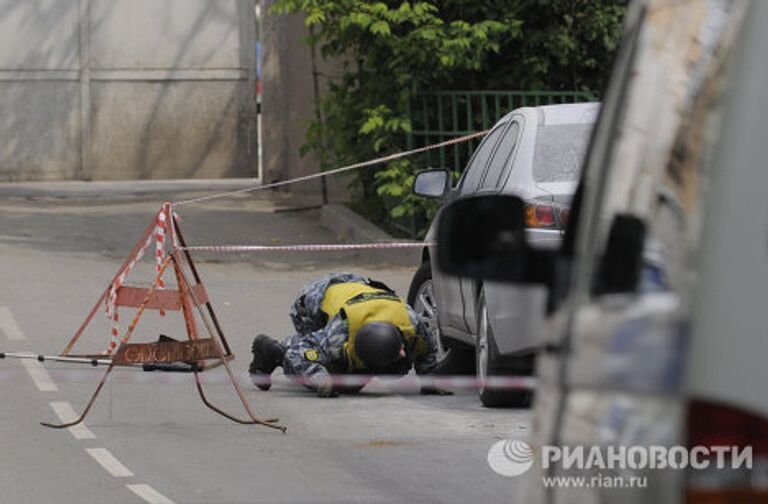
<point x="432" y="183"/>
<point x="621" y="265"/>
<point x="483" y="237"/>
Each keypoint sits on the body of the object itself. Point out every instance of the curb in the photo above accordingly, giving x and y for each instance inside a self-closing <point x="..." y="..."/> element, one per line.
<point x="349" y="227"/>
<point x="119" y="189"/>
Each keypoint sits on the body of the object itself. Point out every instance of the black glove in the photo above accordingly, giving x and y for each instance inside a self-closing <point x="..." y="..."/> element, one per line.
<point x="433" y="390"/>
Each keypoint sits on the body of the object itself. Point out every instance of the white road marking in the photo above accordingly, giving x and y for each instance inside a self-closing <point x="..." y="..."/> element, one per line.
<point x="9" y="325"/>
<point x="39" y="375"/>
<point x="109" y="462"/>
<point x="149" y="494"/>
<point x="66" y="414"/>
<point x="36" y="370"/>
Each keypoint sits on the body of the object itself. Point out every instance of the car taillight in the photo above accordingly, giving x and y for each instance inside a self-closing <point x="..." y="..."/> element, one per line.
<point x="712" y="425"/>
<point x="540" y="216"/>
<point x="565" y="214"/>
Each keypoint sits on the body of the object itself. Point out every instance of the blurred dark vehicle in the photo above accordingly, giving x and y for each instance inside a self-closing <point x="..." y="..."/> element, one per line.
<point x="655" y="318"/>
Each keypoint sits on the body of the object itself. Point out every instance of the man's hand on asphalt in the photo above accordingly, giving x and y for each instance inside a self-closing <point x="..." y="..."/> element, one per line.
<point x="326" y="393"/>
<point x="324" y="387"/>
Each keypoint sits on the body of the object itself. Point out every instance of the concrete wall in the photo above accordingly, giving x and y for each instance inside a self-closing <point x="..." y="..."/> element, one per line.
<point x="288" y="102"/>
<point x="39" y="92"/>
<point x="126" y="89"/>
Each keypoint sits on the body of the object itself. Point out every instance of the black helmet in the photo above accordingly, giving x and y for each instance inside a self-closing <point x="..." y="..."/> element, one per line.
<point x="378" y="344"/>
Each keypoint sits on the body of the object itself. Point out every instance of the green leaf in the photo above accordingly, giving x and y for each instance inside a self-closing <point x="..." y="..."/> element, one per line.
<point x="429" y="33"/>
<point x="372" y="124"/>
<point x="398" y="211"/>
<point x="378" y="8"/>
<point x="314" y="18"/>
<point x="361" y="19"/>
<point x="380" y="28"/>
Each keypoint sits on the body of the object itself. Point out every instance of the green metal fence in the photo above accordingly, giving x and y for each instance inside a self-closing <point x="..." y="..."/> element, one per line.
<point x="442" y="115"/>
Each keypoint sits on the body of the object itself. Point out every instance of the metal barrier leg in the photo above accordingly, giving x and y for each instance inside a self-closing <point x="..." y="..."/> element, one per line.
<point x="87" y="408"/>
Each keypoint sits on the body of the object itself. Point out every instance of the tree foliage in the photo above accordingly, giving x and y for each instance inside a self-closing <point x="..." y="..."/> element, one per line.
<point x="392" y="50"/>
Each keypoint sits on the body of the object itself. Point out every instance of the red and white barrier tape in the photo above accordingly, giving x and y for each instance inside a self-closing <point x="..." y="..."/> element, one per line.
<point x="409" y="383"/>
<point x="392" y="382"/>
<point x="160" y="245"/>
<point x="225" y="249"/>
<point x="412" y="381"/>
<point x="160" y="252"/>
<point x="111" y="304"/>
<point x="336" y="171"/>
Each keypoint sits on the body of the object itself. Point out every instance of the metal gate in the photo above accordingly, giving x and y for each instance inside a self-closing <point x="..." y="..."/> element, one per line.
<point x="127" y="89"/>
<point x="441" y="115"/>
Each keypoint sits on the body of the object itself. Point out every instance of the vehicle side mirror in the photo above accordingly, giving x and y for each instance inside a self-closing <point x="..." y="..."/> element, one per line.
<point x="432" y="183"/>
<point x="621" y="265"/>
<point x="483" y="237"/>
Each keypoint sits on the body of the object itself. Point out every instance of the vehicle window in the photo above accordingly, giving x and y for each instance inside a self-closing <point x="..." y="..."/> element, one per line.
<point x="474" y="171"/>
<point x="560" y="151"/>
<point x="501" y="157"/>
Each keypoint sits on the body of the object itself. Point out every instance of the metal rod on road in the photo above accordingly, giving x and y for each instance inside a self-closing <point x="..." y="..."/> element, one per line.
<point x="56" y="358"/>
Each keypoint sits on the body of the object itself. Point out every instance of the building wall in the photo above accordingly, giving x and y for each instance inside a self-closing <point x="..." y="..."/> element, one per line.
<point x="288" y="102"/>
<point x="127" y="89"/>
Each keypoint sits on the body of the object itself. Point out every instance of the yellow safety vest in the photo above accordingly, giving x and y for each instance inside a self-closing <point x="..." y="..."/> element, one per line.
<point x="362" y="304"/>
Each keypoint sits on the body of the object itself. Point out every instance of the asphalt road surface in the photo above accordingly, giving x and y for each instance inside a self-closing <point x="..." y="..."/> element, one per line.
<point x="149" y="438"/>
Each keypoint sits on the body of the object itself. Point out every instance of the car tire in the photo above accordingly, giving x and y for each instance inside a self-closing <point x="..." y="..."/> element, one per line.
<point x="489" y="364"/>
<point x="421" y="297"/>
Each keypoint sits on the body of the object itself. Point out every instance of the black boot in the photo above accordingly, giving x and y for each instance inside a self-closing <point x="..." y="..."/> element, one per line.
<point x="267" y="355"/>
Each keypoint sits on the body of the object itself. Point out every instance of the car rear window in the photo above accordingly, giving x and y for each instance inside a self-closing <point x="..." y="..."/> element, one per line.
<point x="560" y="151"/>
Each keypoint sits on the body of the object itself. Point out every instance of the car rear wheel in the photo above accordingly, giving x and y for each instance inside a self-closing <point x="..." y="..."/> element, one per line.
<point x="421" y="297"/>
<point x="489" y="366"/>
